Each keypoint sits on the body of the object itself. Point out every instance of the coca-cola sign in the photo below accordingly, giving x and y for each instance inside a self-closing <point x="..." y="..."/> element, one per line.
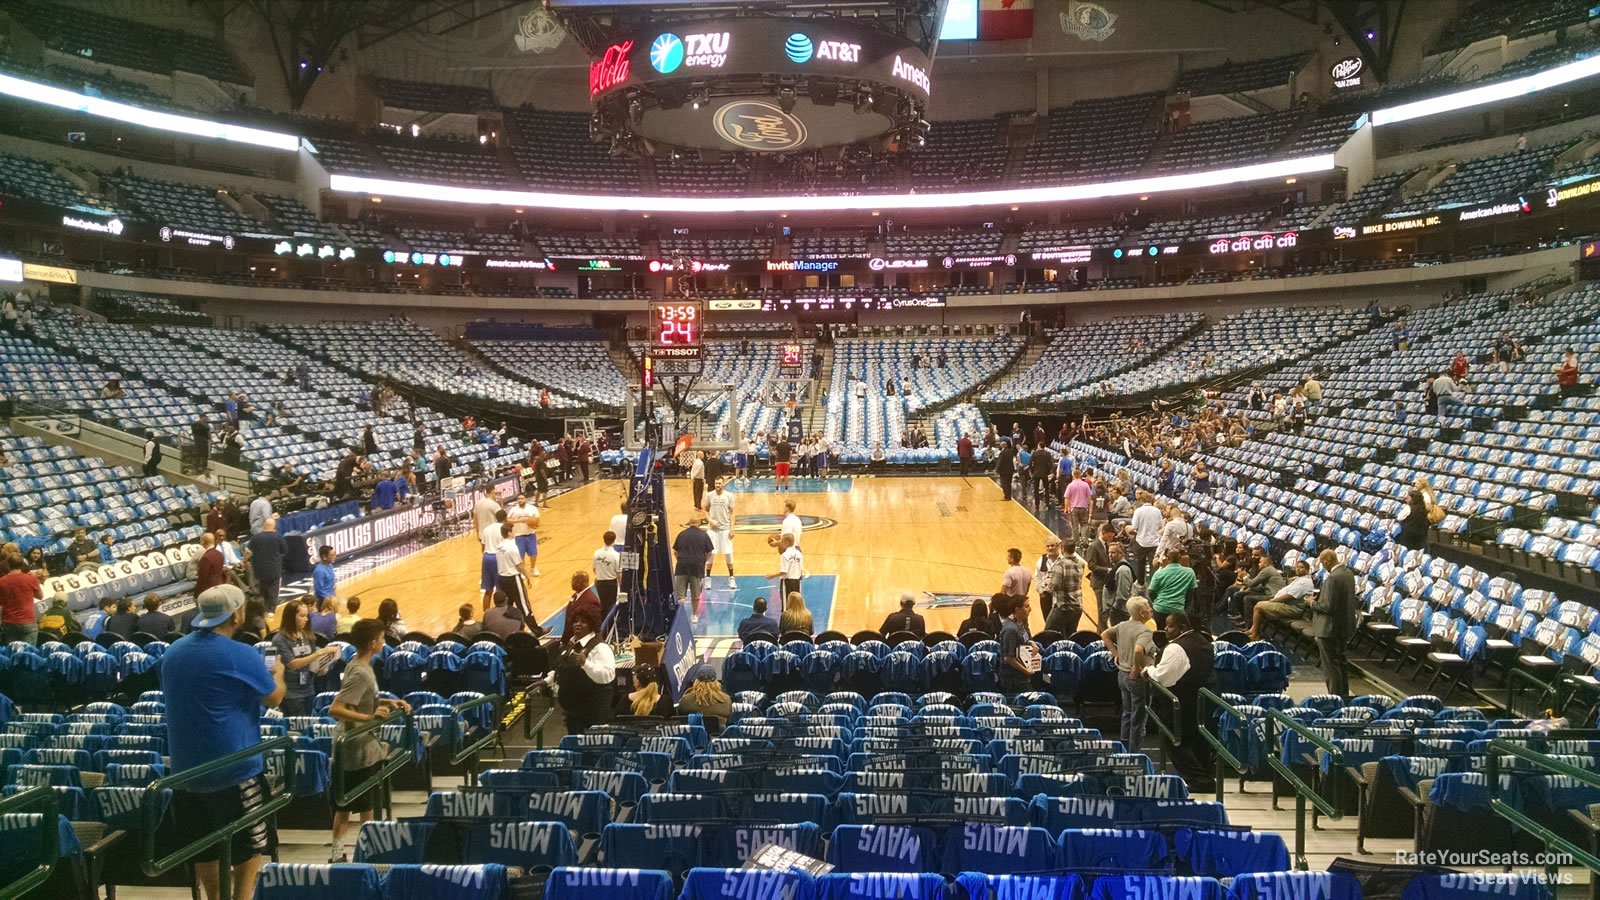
<point x="611" y="69"/>
<point x="1346" y="73"/>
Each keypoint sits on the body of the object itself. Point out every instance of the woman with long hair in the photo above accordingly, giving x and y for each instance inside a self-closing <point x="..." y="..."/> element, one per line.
<point x="704" y="695"/>
<point x="1413" y="522"/>
<point x="389" y="615"/>
<point x="297" y="650"/>
<point x="978" y="619"/>
<point x="796" y="617"/>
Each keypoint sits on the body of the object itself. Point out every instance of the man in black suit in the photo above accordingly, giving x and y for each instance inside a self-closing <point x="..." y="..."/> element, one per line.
<point x="1333" y="620"/>
<point x="906" y="618"/>
<point x="1097" y="559"/>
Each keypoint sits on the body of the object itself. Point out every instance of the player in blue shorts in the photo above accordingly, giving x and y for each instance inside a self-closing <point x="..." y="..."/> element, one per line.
<point x="524" y="518"/>
<point x="489" y="578"/>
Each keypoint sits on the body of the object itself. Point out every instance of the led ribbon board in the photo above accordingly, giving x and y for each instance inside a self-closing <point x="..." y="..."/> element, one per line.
<point x="356" y="184"/>
<point x="61" y="98"/>
<point x="1489" y="93"/>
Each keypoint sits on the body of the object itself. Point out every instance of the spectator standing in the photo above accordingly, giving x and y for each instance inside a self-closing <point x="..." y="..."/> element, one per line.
<point x="200" y="433"/>
<point x="1015" y="581"/>
<point x="964" y="454"/>
<point x="1333" y="620"/>
<point x="905" y="618"/>
<point x="1147" y="523"/>
<point x="1005" y="468"/>
<point x="1185" y="667"/>
<point x="1170" y="586"/>
<point x="697" y="478"/>
<point x="691" y="551"/>
<point x="1065" y="576"/>
<point x="1132" y="646"/>
<point x="1413" y="522"/>
<point x="584" y="600"/>
<point x="357" y="703"/>
<point x="1019" y="658"/>
<point x="369" y="442"/>
<point x="268" y="550"/>
<point x="758" y="622"/>
<point x="1078" y="503"/>
<point x="1567" y="373"/>
<point x="1119" y="587"/>
<point x="324" y="581"/>
<point x="607" y="566"/>
<point x="216" y="687"/>
<point x="260" y="512"/>
<point x="19" y="592"/>
<point x="585" y="672"/>
<point x="213" y="569"/>
<point x="297" y="651"/>
<point x="152" y="455"/>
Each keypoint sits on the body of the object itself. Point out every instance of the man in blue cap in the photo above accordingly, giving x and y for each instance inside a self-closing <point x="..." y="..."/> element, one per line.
<point x="215" y="689"/>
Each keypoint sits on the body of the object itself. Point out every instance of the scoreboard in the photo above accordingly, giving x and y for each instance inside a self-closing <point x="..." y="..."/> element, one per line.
<point x="677" y="336"/>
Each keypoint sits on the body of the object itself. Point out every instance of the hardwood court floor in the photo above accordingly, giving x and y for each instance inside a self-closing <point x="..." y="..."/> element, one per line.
<point x="881" y="537"/>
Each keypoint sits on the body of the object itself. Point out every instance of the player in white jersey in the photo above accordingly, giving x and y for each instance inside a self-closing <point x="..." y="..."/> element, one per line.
<point x="489" y="536"/>
<point x="524" y="519"/>
<point x="750" y="455"/>
<point x="719" y="511"/>
<point x="619" y="526"/>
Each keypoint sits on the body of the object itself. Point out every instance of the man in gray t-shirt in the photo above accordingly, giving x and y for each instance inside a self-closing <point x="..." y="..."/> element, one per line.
<point x="1132" y="646"/>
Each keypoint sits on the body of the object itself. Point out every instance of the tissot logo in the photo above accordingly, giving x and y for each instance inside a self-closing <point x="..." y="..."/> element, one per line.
<point x="759" y="125"/>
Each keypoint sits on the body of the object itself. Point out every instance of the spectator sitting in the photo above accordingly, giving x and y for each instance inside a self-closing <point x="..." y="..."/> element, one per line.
<point x="796" y="617"/>
<point x="108" y="555"/>
<point x="758" y="622"/>
<point x="324" y="620"/>
<point x="466" y="625"/>
<point x="1288" y="603"/>
<point x="95" y="622"/>
<point x="704" y="694"/>
<point x="350" y="616"/>
<point x="58" y="616"/>
<point x="504" y="619"/>
<point x="153" y="620"/>
<point x="906" y="618"/>
<point x="82" y="551"/>
<point x="978" y="619"/>
<point x="124" y="622"/>
<point x="389" y="615"/>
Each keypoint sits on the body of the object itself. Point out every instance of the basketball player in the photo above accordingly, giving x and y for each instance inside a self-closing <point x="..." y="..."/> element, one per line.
<point x="719" y="510"/>
<point x="791" y="527"/>
<point x="741" y="462"/>
<point x="750" y="458"/>
<point x="508" y="568"/>
<point x="790" y="567"/>
<point x="524" y="518"/>
<point x="489" y="536"/>
<point x="824" y="454"/>
<point x="781" y="454"/>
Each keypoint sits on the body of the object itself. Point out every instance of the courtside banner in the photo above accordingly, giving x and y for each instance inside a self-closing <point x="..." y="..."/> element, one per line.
<point x="359" y="535"/>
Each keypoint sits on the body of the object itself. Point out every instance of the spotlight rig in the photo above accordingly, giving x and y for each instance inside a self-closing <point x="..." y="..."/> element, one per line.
<point x="756" y="76"/>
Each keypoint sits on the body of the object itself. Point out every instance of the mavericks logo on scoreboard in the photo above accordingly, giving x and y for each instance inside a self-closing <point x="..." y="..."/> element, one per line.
<point x="759" y="125"/>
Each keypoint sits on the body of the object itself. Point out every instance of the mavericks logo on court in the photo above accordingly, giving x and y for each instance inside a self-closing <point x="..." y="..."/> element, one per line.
<point x="765" y="524"/>
<point x="939" y="600"/>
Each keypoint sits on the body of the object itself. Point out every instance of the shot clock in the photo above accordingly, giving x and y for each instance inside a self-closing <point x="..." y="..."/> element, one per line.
<point x="676" y="329"/>
<point x="793" y="358"/>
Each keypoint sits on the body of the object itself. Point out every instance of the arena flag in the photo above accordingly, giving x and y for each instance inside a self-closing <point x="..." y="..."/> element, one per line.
<point x="1005" y="20"/>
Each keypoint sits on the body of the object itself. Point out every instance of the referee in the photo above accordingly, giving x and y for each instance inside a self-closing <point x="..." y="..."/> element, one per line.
<point x="790" y="566"/>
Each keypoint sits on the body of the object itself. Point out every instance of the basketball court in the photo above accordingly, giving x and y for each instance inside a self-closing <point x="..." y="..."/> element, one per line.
<point x="866" y="541"/>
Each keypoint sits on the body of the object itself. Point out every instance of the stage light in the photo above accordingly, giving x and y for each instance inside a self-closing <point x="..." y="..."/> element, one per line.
<point x="786" y="99"/>
<point x="635" y="111"/>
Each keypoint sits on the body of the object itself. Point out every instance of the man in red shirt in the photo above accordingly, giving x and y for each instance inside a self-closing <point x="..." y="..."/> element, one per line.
<point x="585" y="599"/>
<point x="213" y="568"/>
<point x="1567" y="373"/>
<point x="964" y="454"/>
<point x="19" y="617"/>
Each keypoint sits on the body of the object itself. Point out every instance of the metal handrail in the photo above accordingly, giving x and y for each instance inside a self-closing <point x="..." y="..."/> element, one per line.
<point x="1224" y="756"/>
<point x="1303" y="791"/>
<point x="1552" y="840"/>
<point x="1168" y="731"/>
<point x="399" y="755"/>
<point x="462" y="754"/>
<point x="43" y="796"/>
<point x="152" y="809"/>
